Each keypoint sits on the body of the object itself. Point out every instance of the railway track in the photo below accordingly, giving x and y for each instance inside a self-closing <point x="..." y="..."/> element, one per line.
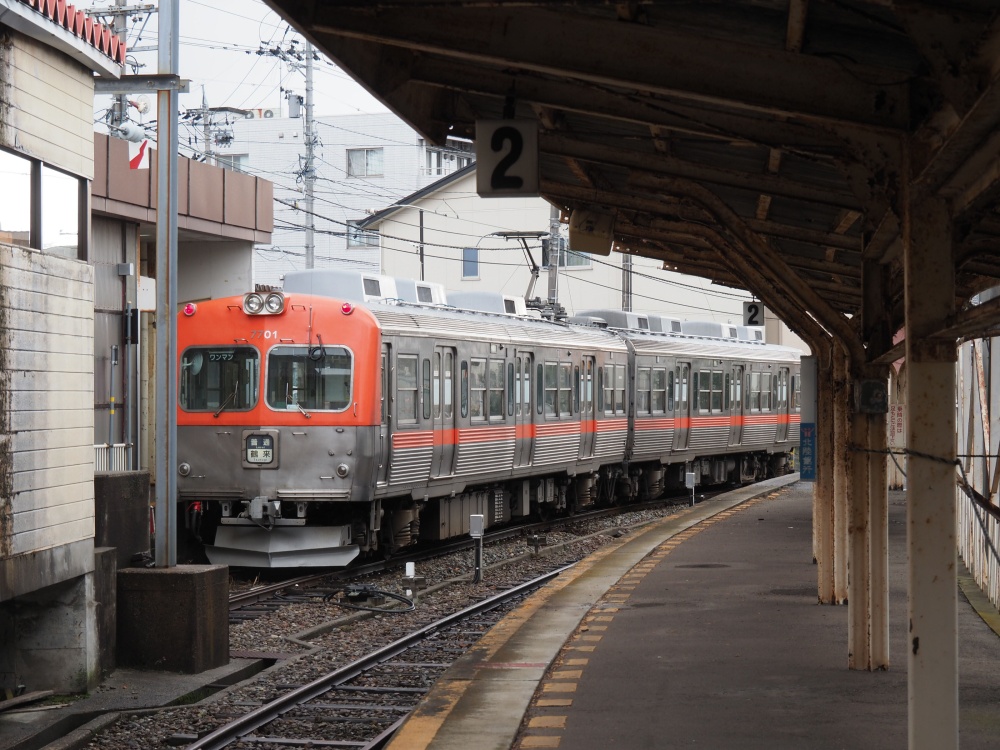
<point x="361" y="704"/>
<point x="260" y="600"/>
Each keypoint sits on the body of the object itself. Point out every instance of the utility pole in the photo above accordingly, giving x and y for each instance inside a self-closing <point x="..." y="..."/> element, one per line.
<point x="309" y="173"/>
<point x="206" y="125"/>
<point x="626" y="283"/>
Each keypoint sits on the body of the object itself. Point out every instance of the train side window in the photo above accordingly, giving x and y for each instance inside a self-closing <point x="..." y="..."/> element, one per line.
<point x="449" y="385"/>
<point x="436" y="385"/>
<point x="426" y="395"/>
<point x="496" y="386"/>
<point x="385" y="383"/>
<point x="512" y="390"/>
<point x="519" y="385"/>
<point x="551" y="389"/>
<point x="703" y="389"/>
<point x="765" y="391"/>
<point x="539" y="389"/>
<point x="465" y="389"/>
<point x="406" y="388"/>
<point x="643" y="390"/>
<point x="796" y="392"/>
<point x="600" y="389"/>
<point x="619" y="389"/>
<point x="576" y="389"/>
<point x="728" y="391"/>
<point x="658" y="391"/>
<point x="527" y="386"/>
<point x="609" y="389"/>
<point x="670" y="391"/>
<point x="753" y="396"/>
<point x="565" y="389"/>
<point x="477" y="389"/>
<point x="716" y="391"/>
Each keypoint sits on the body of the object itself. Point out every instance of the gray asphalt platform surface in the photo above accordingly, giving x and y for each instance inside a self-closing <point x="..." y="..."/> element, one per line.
<point x="721" y="644"/>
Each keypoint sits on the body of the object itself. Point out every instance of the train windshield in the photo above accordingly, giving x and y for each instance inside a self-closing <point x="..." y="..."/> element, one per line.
<point x="311" y="378"/>
<point x="215" y="378"/>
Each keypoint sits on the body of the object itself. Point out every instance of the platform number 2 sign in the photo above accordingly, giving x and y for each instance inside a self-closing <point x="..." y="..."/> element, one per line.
<point x="506" y="158"/>
<point x="753" y="313"/>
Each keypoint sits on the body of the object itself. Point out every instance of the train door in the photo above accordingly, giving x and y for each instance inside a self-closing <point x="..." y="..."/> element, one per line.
<point x="736" y="406"/>
<point x="443" y="410"/>
<point x="588" y="427"/>
<point x="383" y="439"/>
<point x="682" y="406"/>
<point x="522" y="409"/>
<point x="780" y="401"/>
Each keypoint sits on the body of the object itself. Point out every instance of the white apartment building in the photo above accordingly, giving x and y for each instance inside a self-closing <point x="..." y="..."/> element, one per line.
<point x="447" y="234"/>
<point x="384" y="199"/>
<point x="362" y="163"/>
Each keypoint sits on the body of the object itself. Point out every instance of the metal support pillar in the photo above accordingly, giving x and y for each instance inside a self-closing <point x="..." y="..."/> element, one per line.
<point x="166" y="291"/>
<point x="858" y="568"/>
<point x="932" y="650"/>
<point x="823" y="489"/>
<point x="878" y="506"/>
<point x="841" y="475"/>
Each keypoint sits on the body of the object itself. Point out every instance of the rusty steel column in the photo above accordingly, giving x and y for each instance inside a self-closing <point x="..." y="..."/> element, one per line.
<point x="932" y="652"/>
<point x="858" y="568"/>
<point x="841" y="477"/>
<point x="878" y="505"/>
<point x="823" y="490"/>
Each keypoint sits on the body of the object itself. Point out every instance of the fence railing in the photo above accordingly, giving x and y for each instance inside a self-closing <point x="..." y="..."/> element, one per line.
<point x="978" y="538"/>
<point x="109" y="459"/>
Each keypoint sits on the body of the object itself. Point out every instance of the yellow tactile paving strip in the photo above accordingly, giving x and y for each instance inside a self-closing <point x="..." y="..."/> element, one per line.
<point x="546" y="717"/>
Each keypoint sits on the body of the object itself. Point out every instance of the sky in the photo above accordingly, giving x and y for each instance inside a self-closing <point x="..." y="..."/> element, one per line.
<point x="231" y="72"/>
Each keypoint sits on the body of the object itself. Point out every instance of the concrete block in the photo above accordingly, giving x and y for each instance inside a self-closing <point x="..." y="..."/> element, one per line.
<point x="121" y="514"/>
<point x="174" y="619"/>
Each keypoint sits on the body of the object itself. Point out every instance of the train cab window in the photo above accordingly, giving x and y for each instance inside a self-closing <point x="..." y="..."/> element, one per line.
<point x="477" y="389"/>
<point x="217" y="378"/>
<point x="426" y="383"/>
<point x="311" y="378"/>
<point x="643" y="390"/>
<point x="496" y="386"/>
<point x="658" y="399"/>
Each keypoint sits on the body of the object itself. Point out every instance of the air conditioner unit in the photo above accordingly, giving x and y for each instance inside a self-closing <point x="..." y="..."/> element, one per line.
<point x="263" y="114"/>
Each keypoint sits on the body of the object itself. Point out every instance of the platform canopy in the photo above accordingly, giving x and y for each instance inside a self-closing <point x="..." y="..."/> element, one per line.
<point x="763" y="144"/>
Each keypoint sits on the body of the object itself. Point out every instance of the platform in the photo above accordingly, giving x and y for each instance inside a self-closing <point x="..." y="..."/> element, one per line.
<point x="706" y="635"/>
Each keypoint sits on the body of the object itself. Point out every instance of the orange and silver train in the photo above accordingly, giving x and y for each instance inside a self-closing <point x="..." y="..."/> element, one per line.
<point x="313" y="429"/>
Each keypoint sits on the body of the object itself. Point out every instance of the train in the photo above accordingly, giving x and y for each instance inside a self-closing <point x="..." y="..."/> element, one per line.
<point x="314" y="429"/>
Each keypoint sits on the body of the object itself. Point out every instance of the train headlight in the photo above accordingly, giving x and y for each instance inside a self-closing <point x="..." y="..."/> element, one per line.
<point x="184" y="469"/>
<point x="343" y="470"/>
<point x="253" y="303"/>
<point x="274" y="303"/>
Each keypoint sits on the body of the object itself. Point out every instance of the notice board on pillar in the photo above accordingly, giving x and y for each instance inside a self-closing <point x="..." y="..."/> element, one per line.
<point x="807" y="452"/>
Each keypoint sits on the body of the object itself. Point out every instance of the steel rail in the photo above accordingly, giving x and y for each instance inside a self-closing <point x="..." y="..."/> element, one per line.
<point x="229" y="733"/>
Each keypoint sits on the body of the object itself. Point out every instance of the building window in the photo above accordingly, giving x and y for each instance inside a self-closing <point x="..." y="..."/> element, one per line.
<point x="358" y="237"/>
<point x="364" y="162"/>
<point x="232" y="162"/>
<point x="567" y="258"/>
<point x="470" y="263"/>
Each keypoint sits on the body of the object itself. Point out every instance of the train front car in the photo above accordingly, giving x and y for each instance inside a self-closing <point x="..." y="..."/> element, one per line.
<point x="277" y="428"/>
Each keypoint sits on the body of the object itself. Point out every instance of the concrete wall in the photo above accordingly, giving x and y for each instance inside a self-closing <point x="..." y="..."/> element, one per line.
<point x="46" y="420"/>
<point x="48" y="107"/>
<point x="209" y="270"/>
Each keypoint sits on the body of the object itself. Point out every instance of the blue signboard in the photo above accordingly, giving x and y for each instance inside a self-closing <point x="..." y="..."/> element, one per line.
<point x="807" y="452"/>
